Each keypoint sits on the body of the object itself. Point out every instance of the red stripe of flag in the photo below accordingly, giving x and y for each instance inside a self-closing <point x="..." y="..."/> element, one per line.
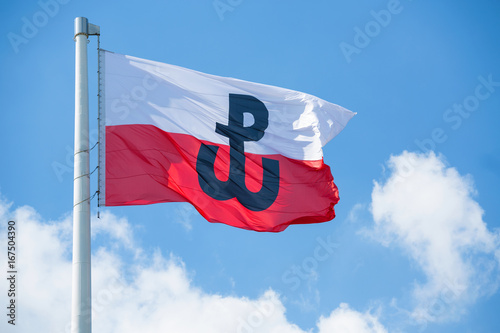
<point x="146" y="165"/>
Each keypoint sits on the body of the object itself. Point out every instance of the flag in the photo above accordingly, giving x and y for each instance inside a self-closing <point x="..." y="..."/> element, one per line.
<point x="245" y="154"/>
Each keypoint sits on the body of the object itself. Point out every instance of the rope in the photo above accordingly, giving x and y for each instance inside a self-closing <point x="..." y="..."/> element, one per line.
<point x="87" y="150"/>
<point x="90" y="199"/>
<point x="94" y="146"/>
<point x="99" y="110"/>
<point x="86" y="174"/>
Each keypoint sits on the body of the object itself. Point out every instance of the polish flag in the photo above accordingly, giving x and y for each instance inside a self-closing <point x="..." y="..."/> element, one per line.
<point x="245" y="154"/>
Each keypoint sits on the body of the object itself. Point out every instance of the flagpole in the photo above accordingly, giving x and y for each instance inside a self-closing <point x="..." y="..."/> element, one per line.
<point x="81" y="285"/>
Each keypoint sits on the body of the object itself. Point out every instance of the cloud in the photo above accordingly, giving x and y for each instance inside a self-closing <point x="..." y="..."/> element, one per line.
<point x="428" y="210"/>
<point x="345" y="320"/>
<point x="44" y="269"/>
<point x="134" y="295"/>
<point x="118" y="229"/>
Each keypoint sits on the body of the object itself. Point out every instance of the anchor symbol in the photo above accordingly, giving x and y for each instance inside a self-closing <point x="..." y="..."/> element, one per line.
<point x="234" y="186"/>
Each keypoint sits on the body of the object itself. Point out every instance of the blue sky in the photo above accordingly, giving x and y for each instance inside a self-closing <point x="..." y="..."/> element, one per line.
<point x="415" y="246"/>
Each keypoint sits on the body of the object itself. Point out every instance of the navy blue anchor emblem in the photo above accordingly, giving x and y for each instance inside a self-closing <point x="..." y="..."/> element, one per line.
<point x="234" y="186"/>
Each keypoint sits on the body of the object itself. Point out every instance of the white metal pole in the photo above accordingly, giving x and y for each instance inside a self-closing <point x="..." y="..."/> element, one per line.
<point x="81" y="289"/>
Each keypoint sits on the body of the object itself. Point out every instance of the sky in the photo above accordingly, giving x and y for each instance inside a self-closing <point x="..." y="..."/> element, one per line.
<point x="415" y="246"/>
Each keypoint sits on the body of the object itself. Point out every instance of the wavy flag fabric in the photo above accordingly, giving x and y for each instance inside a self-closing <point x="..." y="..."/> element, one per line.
<point x="245" y="154"/>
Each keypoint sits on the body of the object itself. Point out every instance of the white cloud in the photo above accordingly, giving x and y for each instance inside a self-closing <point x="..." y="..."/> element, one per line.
<point x="142" y="296"/>
<point x="117" y="228"/>
<point x="345" y="320"/>
<point x="44" y="269"/>
<point x="428" y="210"/>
